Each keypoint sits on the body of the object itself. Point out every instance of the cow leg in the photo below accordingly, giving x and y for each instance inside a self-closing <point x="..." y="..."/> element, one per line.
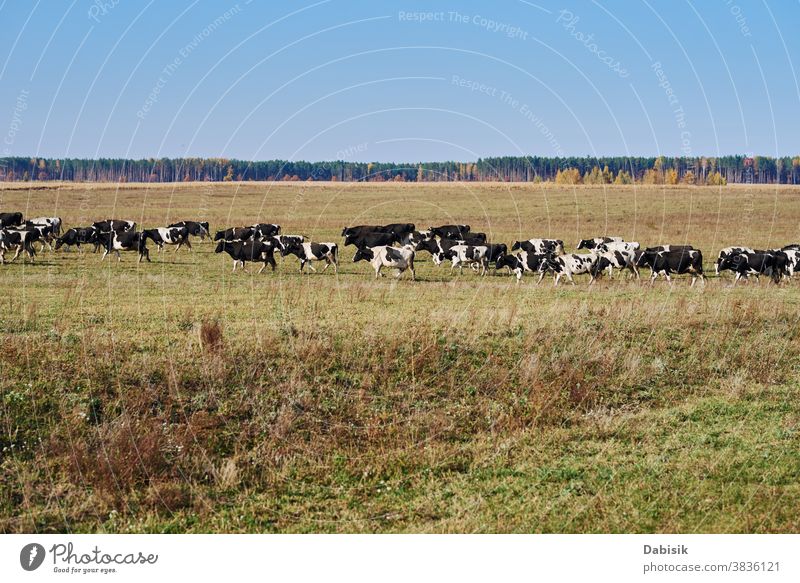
<point x="653" y="277"/>
<point x="413" y="273"/>
<point x="271" y="261"/>
<point x="104" y="254"/>
<point x="302" y="265"/>
<point x="569" y="278"/>
<point x="311" y="266"/>
<point x="262" y="268"/>
<point x="541" y="277"/>
<point x="327" y="265"/>
<point x="119" y="257"/>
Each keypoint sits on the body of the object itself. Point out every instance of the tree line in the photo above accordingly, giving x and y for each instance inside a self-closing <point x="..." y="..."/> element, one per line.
<point x="565" y="170"/>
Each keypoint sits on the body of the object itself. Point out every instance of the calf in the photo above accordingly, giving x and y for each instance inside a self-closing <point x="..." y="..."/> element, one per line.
<point x="567" y="266"/>
<point x="595" y="242"/>
<point x="10" y="219"/>
<point x="472" y="255"/>
<point x="366" y="240"/>
<point x="18" y="240"/>
<point x="77" y="236"/>
<point x="195" y="228"/>
<point x="674" y="261"/>
<point x="521" y="262"/>
<point x="168" y="236"/>
<point x="728" y="252"/>
<point x="554" y="246"/>
<point x="309" y="252"/>
<point x="387" y="256"/>
<point x="117" y="241"/>
<point x="254" y="251"/>
<point x="450" y="231"/>
<point x="773" y="265"/>
<point x="617" y="259"/>
<point x="234" y="234"/>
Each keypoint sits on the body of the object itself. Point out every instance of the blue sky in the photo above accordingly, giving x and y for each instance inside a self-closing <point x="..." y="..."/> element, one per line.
<point x="398" y="81"/>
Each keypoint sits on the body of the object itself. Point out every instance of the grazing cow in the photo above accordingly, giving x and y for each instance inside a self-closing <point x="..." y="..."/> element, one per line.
<point x="673" y="261"/>
<point x="727" y="252"/>
<point x="472" y="255"/>
<point x="114" y="225"/>
<point x="53" y="222"/>
<point x="365" y="240"/>
<point x="117" y="241"/>
<point x="567" y="266"/>
<point x="450" y="231"/>
<point x="553" y="246"/>
<point x="10" y="219"/>
<point x="254" y="251"/>
<point x="595" y="242"/>
<point x="387" y="256"/>
<point x="521" y="262"/>
<point x="77" y="236"/>
<point x="196" y="229"/>
<point x="773" y="265"/>
<point x="263" y="230"/>
<point x="19" y="240"/>
<point x="309" y="252"/>
<point x="617" y="259"/>
<point x="168" y="236"/>
<point x="234" y="234"/>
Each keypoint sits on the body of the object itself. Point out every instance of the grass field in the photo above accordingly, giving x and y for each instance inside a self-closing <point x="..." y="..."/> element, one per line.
<point x="178" y="397"/>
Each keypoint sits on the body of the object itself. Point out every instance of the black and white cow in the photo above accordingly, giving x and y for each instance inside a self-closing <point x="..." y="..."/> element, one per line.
<point x="366" y="240"/>
<point x="10" y="219"/>
<point x="196" y="228"/>
<point x="674" y="261"/>
<point x="793" y="261"/>
<point x="522" y="262"/>
<point x="669" y="248"/>
<point x="728" y="252"/>
<point x="53" y="222"/>
<point x="117" y="241"/>
<point x="234" y="234"/>
<point x="168" y="236"/>
<point x="472" y="255"/>
<point x="43" y="233"/>
<point x="554" y="246"/>
<point x="400" y="230"/>
<point x="253" y="251"/>
<point x="438" y="247"/>
<point x="114" y="225"/>
<point x="617" y="259"/>
<point x="281" y="241"/>
<point x="77" y="236"/>
<point x="595" y="242"/>
<point x="450" y="231"/>
<point x="310" y="252"/>
<point x="19" y="240"/>
<point x="399" y="259"/>
<point x="631" y="246"/>
<point x="262" y="231"/>
<point x="567" y="266"/>
<point x="414" y="238"/>
<point x="772" y="264"/>
<point x="363" y="230"/>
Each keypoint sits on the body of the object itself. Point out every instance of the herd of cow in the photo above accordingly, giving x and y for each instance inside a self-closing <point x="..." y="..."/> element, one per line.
<point x="395" y="246"/>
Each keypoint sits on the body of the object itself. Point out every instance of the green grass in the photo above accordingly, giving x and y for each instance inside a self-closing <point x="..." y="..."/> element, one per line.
<point x="178" y="397"/>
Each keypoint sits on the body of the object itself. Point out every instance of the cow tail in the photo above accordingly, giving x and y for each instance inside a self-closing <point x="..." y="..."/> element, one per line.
<point x="335" y="253"/>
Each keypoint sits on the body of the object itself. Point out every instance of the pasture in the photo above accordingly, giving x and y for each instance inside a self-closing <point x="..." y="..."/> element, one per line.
<point x="176" y="396"/>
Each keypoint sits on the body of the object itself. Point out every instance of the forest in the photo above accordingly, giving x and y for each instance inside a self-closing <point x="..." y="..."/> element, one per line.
<point x="561" y="170"/>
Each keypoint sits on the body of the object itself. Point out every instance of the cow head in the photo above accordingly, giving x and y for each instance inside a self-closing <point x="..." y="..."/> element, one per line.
<point x="363" y="254"/>
<point x="510" y="261"/>
<point x="428" y="245"/>
<point x="586" y="244"/>
<point x="516" y="245"/>
<point x="218" y="236"/>
<point x="220" y="246"/>
<point x="289" y="247"/>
